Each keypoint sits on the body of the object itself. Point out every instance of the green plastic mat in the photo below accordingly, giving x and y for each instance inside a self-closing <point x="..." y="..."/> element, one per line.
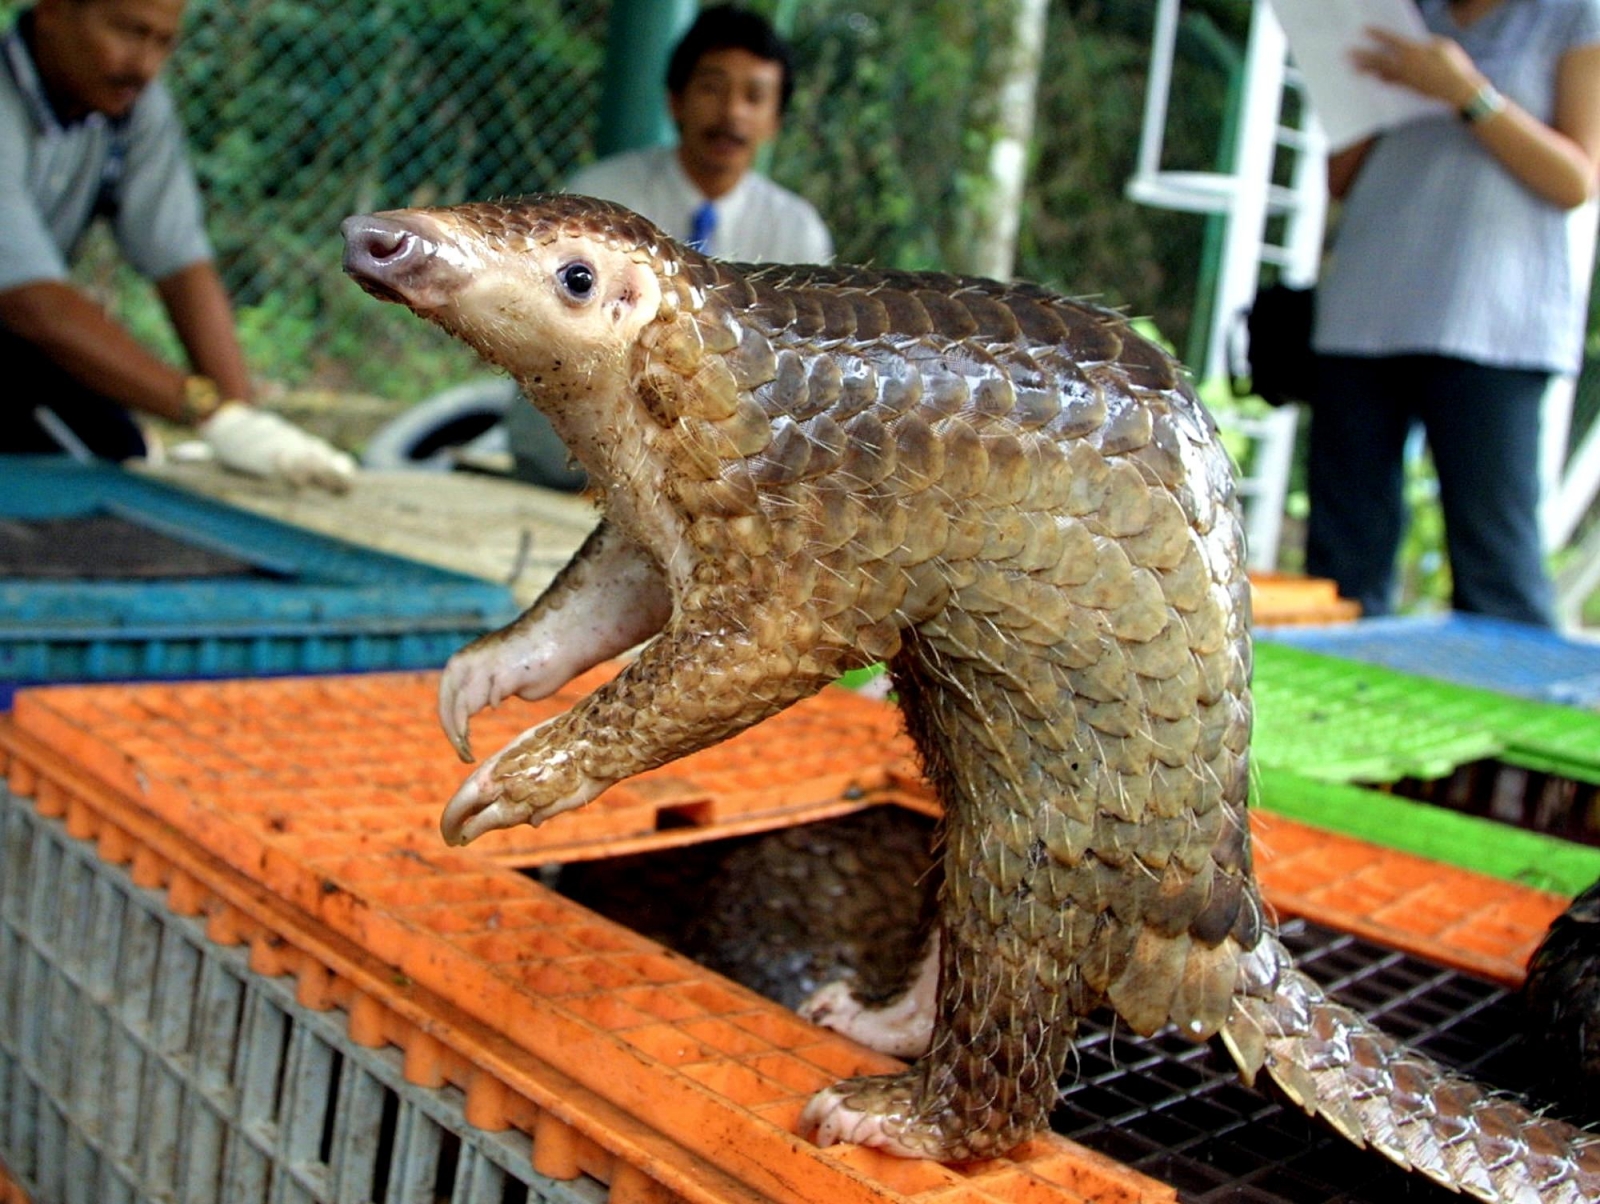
<point x="1345" y="721"/>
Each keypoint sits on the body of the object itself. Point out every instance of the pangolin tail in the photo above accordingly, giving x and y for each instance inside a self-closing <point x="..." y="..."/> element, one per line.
<point x="1335" y="1064"/>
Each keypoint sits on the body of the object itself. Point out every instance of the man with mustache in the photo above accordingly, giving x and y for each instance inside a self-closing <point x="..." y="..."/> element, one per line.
<point x="728" y="83"/>
<point x="87" y="130"/>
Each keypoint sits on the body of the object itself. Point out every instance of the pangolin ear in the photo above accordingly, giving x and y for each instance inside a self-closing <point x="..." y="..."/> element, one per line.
<point x="634" y="295"/>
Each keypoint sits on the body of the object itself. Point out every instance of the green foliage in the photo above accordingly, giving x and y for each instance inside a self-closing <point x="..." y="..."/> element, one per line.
<point x="1080" y="232"/>
<point x="302" y="112"/>
<point x="888" y="136"/>
<point x="1424" y="566"/>
<point x="880" y="135"/>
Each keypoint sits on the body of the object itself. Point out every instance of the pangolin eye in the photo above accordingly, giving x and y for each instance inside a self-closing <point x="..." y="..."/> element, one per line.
<point x="578" y="279"/>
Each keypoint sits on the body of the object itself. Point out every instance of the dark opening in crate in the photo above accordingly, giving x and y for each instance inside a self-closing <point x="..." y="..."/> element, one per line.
<point x="1527" y="798"/>
<point x="781" y="912"/>
<point x="101" y="546"/>
<point x="1164" y="1106"/>
<point x="1178" y="1111"/>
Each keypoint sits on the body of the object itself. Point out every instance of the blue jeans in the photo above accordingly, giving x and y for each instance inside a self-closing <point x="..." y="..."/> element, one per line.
<point x="1482" y="427"/>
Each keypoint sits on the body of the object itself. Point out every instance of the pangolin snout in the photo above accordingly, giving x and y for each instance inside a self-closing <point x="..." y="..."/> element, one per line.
<point x="397" y="258"/>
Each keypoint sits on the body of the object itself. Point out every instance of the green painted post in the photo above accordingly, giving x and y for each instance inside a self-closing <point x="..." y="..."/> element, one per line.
<point x="1204" y="41"/>
<point x="640" y="36"/>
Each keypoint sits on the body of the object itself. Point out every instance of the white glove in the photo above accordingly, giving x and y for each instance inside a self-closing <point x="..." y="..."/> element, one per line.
<point x="260" y="443"/>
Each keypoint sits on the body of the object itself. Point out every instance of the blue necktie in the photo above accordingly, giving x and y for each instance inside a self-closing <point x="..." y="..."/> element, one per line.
<point x="704" y="223"/>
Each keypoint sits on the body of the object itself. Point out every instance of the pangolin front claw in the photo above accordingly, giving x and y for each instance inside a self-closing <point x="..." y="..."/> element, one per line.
<point x="524" y="783"/>
<point x="468" y="685"/>
<point x="468" y="816"/>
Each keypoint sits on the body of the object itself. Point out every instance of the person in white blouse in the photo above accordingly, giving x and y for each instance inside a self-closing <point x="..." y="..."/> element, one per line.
<point x="1452" y="294"/>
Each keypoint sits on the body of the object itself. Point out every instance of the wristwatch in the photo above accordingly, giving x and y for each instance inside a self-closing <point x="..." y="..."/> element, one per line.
<point x="201" y="399"/>
<point x="1485" y="103"/>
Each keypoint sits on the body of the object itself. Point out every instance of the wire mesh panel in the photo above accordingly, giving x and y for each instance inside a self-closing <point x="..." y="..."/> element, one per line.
<point x="1179" y="1113"/>
<point x="141" y="1062"/>
<point x="304" y="112"/>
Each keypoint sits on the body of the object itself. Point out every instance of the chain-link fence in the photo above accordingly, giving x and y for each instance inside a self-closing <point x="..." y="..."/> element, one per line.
<point x="304" y="111"/>
<point x="301" y="112"/>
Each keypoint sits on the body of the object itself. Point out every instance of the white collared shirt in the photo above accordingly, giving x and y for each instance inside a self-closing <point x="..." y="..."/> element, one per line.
<point x="758" y="222"/>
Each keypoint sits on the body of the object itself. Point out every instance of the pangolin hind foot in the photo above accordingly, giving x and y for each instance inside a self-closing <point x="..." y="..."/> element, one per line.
<point x="1016" y="502"/>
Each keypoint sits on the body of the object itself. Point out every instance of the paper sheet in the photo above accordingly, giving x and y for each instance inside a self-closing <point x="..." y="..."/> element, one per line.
<point x="1350" y="105"/>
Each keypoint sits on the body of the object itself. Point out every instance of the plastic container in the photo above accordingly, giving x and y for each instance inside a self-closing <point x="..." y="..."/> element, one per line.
<point x="614" y="1057"/>
<point x="140" y="1060"/>
<point x="299" y="602"/>
<point x="1527" y="763"/>
<point x="1287" y="600"/>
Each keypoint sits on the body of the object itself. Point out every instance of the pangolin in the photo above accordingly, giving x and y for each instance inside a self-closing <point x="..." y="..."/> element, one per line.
<point x="1018" y="504"/>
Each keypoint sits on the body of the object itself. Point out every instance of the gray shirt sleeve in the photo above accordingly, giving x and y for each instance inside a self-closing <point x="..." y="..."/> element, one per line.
<point x="160" y="222"/>
<point x="48" y="182"/>
<point x="28" y="251"/>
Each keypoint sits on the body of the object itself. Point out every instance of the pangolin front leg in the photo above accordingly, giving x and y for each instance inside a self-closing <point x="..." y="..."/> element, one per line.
<point x="707" y="676"/>
<point x="608" y="598"/>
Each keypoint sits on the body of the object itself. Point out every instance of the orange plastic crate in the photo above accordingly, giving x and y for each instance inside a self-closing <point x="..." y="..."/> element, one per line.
<point x="299" y="815"/>
<point x="618" y="1058"/>
<point x="1287" y="600"/>
<point x="10" y="1193"/>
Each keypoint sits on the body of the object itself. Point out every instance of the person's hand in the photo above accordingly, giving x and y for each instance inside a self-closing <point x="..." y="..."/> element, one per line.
<point x="254" y="441"/>
<point x="1435" y="67"/>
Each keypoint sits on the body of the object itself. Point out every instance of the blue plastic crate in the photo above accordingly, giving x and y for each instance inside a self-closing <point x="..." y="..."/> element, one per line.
<point x="1492" y="654"/>
<point x="311" y="604"/>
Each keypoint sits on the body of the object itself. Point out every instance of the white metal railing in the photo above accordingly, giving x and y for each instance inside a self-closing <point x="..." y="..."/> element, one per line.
<point x="1246" y="196"/>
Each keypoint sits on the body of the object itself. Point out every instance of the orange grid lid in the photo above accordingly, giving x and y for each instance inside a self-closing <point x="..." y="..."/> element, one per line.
<point x="323" y="793"/>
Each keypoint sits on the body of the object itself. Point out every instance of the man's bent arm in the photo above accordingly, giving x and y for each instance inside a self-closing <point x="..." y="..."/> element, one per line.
<point x="75" y="333"/>
<point x="198" y="305"/>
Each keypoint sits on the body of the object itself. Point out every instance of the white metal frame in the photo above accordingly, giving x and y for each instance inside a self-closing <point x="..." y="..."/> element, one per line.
<point x="1246" y="196"/>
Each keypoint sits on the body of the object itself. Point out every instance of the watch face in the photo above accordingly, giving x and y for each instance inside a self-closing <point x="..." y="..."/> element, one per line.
<point x="1485" y="103"/>
<point x="200" y="398"/>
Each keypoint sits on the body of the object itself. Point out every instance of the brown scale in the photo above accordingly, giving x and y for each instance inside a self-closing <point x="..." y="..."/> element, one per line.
<point x="1019" y="504"/>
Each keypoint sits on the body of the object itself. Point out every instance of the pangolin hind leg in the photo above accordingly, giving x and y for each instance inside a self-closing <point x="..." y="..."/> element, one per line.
<point x="1086" y="861"/>
<point x="1004" y="1016"/>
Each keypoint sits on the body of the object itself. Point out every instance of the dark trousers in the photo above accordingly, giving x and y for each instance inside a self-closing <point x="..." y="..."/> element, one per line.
<point x="100" y="424"/>
<point x="1482" y="427"/>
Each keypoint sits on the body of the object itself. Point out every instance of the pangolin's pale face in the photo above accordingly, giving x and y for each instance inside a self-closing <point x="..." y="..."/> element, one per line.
<point x="547" y="303"/>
